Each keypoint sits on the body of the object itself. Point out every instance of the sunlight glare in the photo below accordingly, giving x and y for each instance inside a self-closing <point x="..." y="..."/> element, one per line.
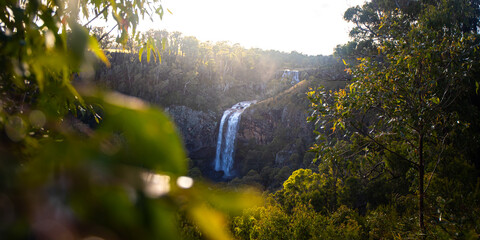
<point x="156" y="185"/>
<point x="308" y="26"/>
<point x="185" y="182"/>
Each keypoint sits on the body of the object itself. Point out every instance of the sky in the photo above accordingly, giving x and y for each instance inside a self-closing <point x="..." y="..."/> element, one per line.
<point x="310" y="27"/>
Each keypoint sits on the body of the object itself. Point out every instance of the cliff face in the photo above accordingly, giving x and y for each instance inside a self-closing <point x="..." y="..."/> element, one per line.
<point x="258" y="126"/>
<point x="275" y="133"/>
<point x="272" y="140"/>
<point x="198" y="130"/>
<point x="261" y="126"/>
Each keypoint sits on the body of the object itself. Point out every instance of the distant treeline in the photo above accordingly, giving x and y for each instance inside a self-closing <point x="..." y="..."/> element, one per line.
<point x="201" y="75"/>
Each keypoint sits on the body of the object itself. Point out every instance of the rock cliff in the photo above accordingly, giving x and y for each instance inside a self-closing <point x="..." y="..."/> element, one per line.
<point x="274" y="135"/>
<point x="272" y="139"/>
<point x="274" y="132"/>
<point x="198" y="130"/>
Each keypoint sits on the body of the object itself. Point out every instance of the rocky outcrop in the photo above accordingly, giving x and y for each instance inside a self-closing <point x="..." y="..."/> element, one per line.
<point x="258" y="126"/>
<point x="274" y="132"/>
<point x="262" y="126"/>
<point x="198" y="130"/>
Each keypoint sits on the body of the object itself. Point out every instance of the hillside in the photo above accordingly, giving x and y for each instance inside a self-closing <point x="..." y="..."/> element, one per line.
<point x="274" y="135"/>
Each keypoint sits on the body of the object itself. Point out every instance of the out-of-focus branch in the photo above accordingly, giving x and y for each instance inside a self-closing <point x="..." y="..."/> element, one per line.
<point x="98" y="14"/>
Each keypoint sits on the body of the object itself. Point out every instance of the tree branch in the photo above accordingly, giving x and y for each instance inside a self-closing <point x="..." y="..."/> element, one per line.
<point x="98" y="14"/>
<point x="385" y="147"/>
<point x="373" y="169"/>
<point x="106" y="34"/>
<point x="436" y="164"/>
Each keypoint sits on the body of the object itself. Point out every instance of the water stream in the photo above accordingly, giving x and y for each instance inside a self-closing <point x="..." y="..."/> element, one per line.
<point x="227" y="133"/>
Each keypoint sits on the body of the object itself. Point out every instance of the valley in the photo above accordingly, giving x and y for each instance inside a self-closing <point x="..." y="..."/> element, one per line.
<point x="273" y="134"/>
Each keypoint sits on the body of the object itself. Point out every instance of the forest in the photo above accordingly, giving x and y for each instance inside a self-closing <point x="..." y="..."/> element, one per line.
<point x="119" y="135"/>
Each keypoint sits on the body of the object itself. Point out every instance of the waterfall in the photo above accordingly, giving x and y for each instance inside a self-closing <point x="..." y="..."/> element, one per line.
<point x="225" y="153"/>
<point x="291" y="74"/>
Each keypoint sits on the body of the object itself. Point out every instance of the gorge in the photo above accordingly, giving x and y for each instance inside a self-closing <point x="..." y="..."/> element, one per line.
<point x="198" y="90"/>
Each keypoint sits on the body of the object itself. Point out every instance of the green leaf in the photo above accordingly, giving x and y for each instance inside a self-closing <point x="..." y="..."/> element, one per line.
<point x="79" y="42"/>
<point x="154" y="52"/>
<point x="148" y="54"/>
<point x="210" y="221"/>
<point x="74" y="92"/>
<point x="140" y="54"/>
<point x="151" y="139"/>
<point x="95" y="48"/>
<point x="114" y="5"/>
<point x="159" y="56"/>
<point x="381" y="26"/>
<point x="232" y="202"/>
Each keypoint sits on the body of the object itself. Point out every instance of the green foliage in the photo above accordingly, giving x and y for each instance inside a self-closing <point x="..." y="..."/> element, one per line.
<point x="201" y="75"/>
<point x="61" y="179"/>
<point x="406" y="105"/>
<point x="385" y="222"/>
<point x="271" y="222"/>
<point x="96" y="181"/>
<point x="396" y="147"/>
<point x="290" y="214"/>
<point x="308" y="188"/>
<point x="210" y="77"/>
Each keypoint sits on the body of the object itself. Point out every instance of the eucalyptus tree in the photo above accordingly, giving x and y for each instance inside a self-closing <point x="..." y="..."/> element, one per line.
<point x="416" y="67"/>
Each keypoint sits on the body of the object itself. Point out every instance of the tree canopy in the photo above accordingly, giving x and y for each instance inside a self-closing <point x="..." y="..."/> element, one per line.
<point x="61" y="179"/>
<point x="397" y="150"/>
<point x="414" y="75"/>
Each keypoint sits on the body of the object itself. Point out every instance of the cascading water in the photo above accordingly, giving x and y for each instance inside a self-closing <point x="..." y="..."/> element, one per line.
<point x="291" y="74"/>
<point x="226" y="141"/>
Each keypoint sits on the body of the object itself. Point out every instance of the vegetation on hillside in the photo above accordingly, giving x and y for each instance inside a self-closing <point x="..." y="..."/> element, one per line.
<point x="285" y="137"/>
<point x="203" y="75"/>
<point x="397" y="151"/>
<point x="211" y="77"/>
<point x="60" y="179"/>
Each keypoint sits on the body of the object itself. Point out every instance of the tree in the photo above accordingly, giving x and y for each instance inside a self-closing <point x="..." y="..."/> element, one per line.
<point x="404" y="99"/>
<point x="61" y="179"/>
<point x="308" y="188"/>
<point x="371" y="28"/>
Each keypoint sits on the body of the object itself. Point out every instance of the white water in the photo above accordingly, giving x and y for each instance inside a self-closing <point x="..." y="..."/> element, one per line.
<point x="225" y="153"/>
<point x="291" y="74"/>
